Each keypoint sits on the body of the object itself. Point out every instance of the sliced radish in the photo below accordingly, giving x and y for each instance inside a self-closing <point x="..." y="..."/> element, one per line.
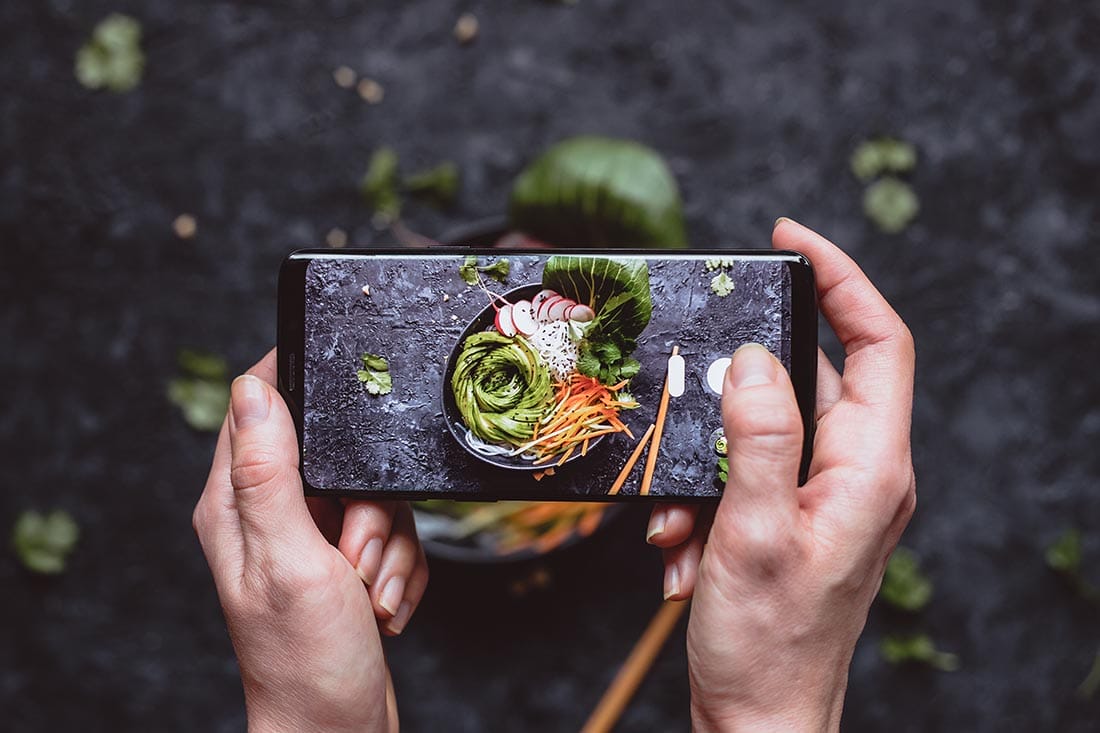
<point x="557" y="310"/>
<point x="504" y="322"/>
<point x="582" y="314"/>
<point x="524" y="319"/>
<point x="543" y="313"/>
<point x="568" y="312"/>
<point x="541" y="296"/>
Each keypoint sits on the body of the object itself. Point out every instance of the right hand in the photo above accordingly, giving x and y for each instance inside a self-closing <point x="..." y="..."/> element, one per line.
<point x="784" y="582"/>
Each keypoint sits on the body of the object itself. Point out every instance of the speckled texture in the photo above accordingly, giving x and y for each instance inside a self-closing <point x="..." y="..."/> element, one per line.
<point x="400" y="441"/>
<point x="756" y="105"/>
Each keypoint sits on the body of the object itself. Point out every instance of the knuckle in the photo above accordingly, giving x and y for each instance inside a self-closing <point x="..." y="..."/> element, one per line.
<point x="768" y="421"/>
<point x="252" y="469"/>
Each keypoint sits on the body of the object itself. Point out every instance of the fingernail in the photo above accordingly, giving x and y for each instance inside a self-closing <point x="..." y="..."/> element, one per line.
<point x="370" y="560"/>
<point x="672" y="581"/>
<point x="391" y="595"/>
<point x="656" y="525"/>
<point x="401" y="618"/>
<point x="779" y="221"/>
<point x="752" y="365"/>
<point x="249" y="401"/>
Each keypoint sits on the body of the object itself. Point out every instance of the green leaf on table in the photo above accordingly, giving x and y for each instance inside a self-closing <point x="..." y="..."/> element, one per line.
<point x="470" y="268"/>
<point x="721" y="285"/>
<point x="1091" y="684"/>
<point x="44" y="542"/>
<point x="1065" y="554"/>
<point x="891" y="204"/>
<point x="202" y="393"/>
<point x="723" y="469"/>
<point x="882" y="155"/>
<point x="112" y="57"/>
<point x="904" y="586"/>
<point x="375" y="375"/>
<point x="898" y="649"/>
<point x="380" y="186"/>
<point x="599" y="192"/>
<point x="498" y="270"/>
<point x="438" y="185"/>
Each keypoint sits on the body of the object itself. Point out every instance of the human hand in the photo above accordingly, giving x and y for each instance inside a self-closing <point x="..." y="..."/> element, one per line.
<point x="304" y="584"/>
<point x="783" y="584"/>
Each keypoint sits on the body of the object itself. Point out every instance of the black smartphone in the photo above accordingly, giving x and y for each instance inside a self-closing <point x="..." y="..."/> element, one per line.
<point x="487" y="374"/>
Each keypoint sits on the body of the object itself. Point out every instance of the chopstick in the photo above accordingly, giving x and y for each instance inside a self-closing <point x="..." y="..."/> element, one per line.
<point x="631" y="461"/>
<point x="662" y="411"/>
<point x="634" y="669"/>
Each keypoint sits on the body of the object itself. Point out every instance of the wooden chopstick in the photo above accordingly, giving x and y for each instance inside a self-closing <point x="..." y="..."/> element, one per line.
<point x="662" y="411"/>
<point x="634" y="669"/>
<point x="631" y="461"/>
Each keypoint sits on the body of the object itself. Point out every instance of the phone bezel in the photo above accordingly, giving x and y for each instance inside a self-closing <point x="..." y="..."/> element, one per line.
<point x="291" y="340"/>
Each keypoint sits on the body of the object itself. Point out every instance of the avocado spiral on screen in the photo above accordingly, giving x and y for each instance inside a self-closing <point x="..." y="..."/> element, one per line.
<point x="501" y="387"/>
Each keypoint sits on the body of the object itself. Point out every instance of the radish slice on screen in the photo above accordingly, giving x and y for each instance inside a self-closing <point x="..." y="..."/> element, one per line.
<point x="524" y="319"/>
<point x="504" y="322"/>
<point x="568" y="312"/>
<point x="557" y="310"/>
<point x="582" y="314"/>
<point x="543" y="312"/>
<point x="540" y="297"/>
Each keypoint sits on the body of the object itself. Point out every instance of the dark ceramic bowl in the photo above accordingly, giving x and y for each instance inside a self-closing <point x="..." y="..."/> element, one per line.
<point x="482" y="322"/>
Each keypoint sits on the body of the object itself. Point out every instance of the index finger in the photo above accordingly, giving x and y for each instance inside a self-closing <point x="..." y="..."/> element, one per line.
<point x="879" y="361"/>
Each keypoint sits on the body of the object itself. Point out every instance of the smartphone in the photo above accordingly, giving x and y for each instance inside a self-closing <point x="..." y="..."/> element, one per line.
<point x="489" y="374"/>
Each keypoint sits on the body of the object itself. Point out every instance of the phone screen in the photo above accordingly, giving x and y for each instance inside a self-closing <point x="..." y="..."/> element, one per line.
<point x="527" y="375"/>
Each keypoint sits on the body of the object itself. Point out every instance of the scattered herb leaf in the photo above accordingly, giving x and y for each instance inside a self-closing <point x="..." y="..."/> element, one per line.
<point x="897" y="649"/>
<point x="904" y="586"/>
<point x="469" y="270"/>
<point x="375" y="375"/>
<point x="380" y="186"/>
<point x="112" y="57"/>
<point x="1091" y="684"/>
<point x="882" y="155"/>
<point x="44" y="542"/>
<point x="891" y="204"/>
<point x="202" y="394"/>
<point x="723" y="469"/>
<point x="439" y="185"/>
<point x="718" y="263"/>
<point x="1064" y="556"/>
<point x="721" y="284"/>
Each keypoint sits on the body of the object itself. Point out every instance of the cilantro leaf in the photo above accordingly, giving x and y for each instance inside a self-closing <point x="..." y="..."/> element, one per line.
<point x="375" y="363"/>
<point x="498" y="270"/>
<point x="202" y="402"/>
<point x="882" y="155"/>
<point x="1091" y="684"/>
<point x="112" y="58"/>
<point x="202" y="394"/>
<point x="628" y="368"/>
<point x="897" y="649"/>
<point x="375" y="375"/>
<point x="380" y="185"/>
<point x="44" y="542"/>
<point x="588" y="363"/>
<point x="904" y="586"/>
<point x="439" y="185"/>
<point x="468" y="270"/>
<point x="891" y="204"/>
<point x="721" y="284"/>
<point x="723" y="469"/>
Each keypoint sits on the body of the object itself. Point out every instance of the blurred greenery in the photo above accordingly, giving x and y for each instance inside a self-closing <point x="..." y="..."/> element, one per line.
<point x="44" y="542"/>
<point x="112" y="58"/>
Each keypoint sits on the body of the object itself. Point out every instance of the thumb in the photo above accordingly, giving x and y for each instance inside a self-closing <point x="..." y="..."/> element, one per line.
<point x="764" y="434"/>
<point x="266" y="486"/>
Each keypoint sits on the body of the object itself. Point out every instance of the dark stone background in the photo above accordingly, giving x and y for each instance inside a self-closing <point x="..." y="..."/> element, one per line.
<point x="756" y="105"/>
<point x="401" y="441"/>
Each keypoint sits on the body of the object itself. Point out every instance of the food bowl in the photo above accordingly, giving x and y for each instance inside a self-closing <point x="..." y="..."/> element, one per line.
<point x="483" y="321"/>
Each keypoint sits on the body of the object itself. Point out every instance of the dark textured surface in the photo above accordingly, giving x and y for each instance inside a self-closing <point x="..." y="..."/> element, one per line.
<point x="756" y="105"/>
<point x="400" y="441"/>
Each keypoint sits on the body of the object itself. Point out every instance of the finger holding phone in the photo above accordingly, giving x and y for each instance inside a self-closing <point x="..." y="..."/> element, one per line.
<point x="305" y="614"/>
<point x="783" y="576"/>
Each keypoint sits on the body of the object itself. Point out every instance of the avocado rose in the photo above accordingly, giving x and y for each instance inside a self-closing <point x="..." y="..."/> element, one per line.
<point x="501" y="387"/>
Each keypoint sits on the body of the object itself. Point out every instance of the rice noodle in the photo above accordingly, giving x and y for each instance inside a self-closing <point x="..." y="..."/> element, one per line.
<point x="556" y="347"/>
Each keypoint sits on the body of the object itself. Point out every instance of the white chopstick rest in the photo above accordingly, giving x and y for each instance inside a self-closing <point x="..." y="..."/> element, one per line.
<point x="675" y="375"/>
<point x="716" y="374"/>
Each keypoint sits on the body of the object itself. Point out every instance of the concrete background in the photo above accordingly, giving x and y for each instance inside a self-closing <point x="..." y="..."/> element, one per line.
<point x="756" y="106"/>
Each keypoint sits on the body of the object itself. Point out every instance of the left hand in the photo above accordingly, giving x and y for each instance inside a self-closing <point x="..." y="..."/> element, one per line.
<point x="305" y="584"/>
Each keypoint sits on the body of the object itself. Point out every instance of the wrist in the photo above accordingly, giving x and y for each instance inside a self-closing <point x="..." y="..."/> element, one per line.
<point x="809" y="710"/>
